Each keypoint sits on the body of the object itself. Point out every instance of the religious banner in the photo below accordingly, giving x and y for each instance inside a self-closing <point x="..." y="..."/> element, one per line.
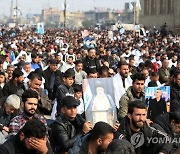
<point x="89" y="42"/>
<point x="99" y="100"/>
<point x="40" y="28"/>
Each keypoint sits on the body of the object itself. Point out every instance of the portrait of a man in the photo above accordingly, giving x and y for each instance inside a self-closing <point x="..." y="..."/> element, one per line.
<point x="102" y="106"/>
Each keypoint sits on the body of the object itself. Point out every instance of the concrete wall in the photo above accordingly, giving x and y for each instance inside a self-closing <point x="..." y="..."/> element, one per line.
<point x="157" y="19"/>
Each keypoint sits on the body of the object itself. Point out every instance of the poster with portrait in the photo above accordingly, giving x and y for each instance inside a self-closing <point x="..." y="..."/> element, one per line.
<point x="89" y="42"/>
<point x="40" y="28"/>
<point x="155" y="92"/>
<point x="99" y="100"/>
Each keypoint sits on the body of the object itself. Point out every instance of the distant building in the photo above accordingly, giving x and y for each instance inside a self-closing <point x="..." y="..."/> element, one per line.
<point x="101" y="15"/>
<point x="74" y="19"/>
<point x="90" y="15"/>
<point x="158" y="12"/>
<point x="127" y="16"/>
<point x="56" y="16"/>
<point x="51" y="15"/>
<point x="33" y="18"/>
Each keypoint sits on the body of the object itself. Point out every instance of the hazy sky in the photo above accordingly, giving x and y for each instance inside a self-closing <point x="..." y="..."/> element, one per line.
<point x="35" y="6"/>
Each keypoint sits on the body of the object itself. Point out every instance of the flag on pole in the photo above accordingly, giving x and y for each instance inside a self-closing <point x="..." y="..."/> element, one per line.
<point x="130" y="6"/>
<point x="138" y="4"/>
<point x="86" y="93"/>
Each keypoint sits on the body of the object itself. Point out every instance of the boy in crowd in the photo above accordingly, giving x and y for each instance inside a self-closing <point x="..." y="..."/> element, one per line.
<point x="65" y="88"/>
<point x="78" y="96"/>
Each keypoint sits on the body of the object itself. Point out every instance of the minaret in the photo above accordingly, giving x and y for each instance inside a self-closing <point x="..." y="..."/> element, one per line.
<point x="11" y="9"/>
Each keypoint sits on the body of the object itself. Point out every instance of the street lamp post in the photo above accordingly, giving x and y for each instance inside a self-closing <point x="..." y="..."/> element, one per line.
<point x="134" y="14"/>
<point x="65" y="6"/>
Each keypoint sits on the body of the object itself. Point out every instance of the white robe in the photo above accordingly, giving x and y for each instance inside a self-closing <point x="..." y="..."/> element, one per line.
<point x="66" y="66"/>
<point x="119" y="90"/>
<point x="172" y="64"/>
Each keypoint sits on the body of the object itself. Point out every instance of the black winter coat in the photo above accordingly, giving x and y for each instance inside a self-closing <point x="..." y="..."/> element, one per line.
<point x="162" y="123"/>
<point x="64" y="135"/>
<point x="90" y="63"/>
<point x="58" y="80"/>
<point x="175" y="92"/>
<point x="124" y="132"/>
<point x="62" y="92"/>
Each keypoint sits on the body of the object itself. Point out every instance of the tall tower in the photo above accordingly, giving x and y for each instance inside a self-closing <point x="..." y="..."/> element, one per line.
<point x="12" y="10"/>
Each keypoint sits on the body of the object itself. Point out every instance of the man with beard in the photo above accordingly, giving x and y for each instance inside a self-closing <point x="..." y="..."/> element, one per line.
<point x="15" y="84"/>
<point x="121" y="81"/>
<point x="164" y="74"/>
<point x="96" y="142"/>
<point x="134" y="92"/>
<point x="79" y="73"/>
<point x="135" y="129"/>
<point x="175" y="88"/>
<point x="91" y="61"/>
<point x="9" y="71"/>
<point x="31" y="139"/>
<point x="30" y="100"/>
<point x="34" y="83"/>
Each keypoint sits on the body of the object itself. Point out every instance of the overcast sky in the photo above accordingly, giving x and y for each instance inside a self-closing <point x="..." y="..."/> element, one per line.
<point x="35" y="6"/>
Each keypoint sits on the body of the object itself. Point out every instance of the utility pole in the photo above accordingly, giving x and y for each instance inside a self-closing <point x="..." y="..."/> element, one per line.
<point x="16" y="10"/>
<point x="65" y="6"/>
<point x="134" y="14"/>
<point x="94" y="20"/>
<point x="11" y="10"/>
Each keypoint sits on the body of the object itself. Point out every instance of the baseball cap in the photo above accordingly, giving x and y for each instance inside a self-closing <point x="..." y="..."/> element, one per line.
<point x="69" y="101"/>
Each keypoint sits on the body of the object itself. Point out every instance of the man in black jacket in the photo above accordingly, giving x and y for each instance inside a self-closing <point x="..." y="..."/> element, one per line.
<point x="53" y="78"/>
<point x="66" y="88"/>
<point x="15" y="84"/>
<point x="31" y="139"/>
<point x="169" y="123"/>
<point x="134" y="128"/>
<point x="175" y="92"/>
<point x="91" y="61"/>
<point x="95" y="142"/>
<point x="68" y="127"/>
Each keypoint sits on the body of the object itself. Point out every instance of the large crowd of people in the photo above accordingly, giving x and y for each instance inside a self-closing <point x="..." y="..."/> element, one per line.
<point x="41" y="95"/>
